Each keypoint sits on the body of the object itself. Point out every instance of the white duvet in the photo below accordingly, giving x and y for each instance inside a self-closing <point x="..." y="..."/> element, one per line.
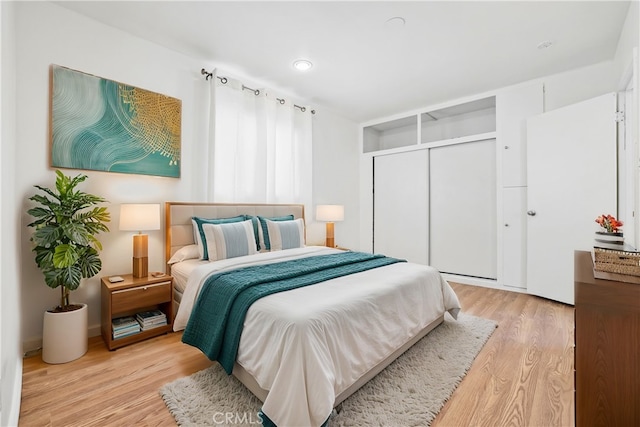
<point x="309" y="344"/>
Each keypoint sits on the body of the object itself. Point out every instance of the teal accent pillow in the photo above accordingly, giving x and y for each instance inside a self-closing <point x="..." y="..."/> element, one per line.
<point x="265" y="242"/>
<point x="198" y="233"/>
<point x="254" y="222"/>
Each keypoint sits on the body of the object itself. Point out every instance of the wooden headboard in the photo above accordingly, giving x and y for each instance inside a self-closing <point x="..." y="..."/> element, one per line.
<point x="179" y="229"/>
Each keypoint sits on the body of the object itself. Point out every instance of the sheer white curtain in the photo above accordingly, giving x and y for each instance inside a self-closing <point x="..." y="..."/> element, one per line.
<point x="259" y="148"/>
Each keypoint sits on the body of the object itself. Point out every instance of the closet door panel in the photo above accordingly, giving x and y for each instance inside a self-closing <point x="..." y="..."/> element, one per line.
<point x="513" y="107"/>
<point x="514" y="237"/>
<point x="401" y="205"/>
<point x="462" y="202"/>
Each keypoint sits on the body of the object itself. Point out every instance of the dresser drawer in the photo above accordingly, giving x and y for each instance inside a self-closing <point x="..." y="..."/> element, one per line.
<point x="140" y="296"/>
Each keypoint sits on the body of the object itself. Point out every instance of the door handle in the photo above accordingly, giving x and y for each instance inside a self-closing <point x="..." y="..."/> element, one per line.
<point x="531" y="213"/>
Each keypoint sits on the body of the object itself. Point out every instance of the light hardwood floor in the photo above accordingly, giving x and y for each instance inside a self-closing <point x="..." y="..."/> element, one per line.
<point x="522" y="377"/>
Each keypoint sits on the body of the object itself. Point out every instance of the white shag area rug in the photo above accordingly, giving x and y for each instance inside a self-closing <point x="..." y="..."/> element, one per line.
<point x="409" y="392"/>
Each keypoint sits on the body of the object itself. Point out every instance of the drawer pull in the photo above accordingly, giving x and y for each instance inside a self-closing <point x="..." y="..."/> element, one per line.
<point x="144" y="288"/>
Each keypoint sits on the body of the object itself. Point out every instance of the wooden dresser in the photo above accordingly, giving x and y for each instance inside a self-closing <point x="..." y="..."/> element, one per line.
<point x="607" y="348"/>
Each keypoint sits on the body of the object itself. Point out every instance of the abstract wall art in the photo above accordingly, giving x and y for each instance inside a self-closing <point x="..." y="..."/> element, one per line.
<point x="103" y="125"/>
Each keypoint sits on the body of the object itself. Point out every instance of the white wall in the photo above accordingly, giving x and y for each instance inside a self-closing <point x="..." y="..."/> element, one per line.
<point x="335" y="177"/>
<point x="581" y="84"/>
<point x="10" y="339"/>
<point x="81" y="44"/>
<point x="48" y="34"/>
<point x="578" y="85"/>
<point x="629" y="39"/>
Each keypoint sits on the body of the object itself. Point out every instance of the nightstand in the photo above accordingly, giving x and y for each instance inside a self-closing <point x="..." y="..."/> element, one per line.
<point x="134" y="295"/>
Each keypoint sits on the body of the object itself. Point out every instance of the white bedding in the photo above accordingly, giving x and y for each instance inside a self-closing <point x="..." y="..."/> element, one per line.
<point x="309" y="344"/>
<point x="181" y="272"/>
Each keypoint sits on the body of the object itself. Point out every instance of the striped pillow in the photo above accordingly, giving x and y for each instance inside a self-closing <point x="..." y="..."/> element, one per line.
<point x="229" y="240"/>
<point x="286" y="234"/>
<point x="198" y="232"/>
<point x="263" y="232"/>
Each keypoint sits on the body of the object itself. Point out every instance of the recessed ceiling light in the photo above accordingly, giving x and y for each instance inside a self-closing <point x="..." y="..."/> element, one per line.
<point x="545" y="44"/>
<point x="302" y="65"/>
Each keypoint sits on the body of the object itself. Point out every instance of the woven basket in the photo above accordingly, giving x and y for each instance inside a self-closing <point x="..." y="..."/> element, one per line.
<point x="614" y="261"/>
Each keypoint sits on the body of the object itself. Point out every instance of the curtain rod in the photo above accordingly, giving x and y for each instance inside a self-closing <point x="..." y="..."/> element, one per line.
<point x="224" y="81"/>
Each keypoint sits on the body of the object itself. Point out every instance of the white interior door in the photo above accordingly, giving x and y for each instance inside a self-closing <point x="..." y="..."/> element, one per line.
<point x="571" y="175"/>
<point x="400" y="205"/>
<point x="462" y="209"/>
<point x="627" y="170"/>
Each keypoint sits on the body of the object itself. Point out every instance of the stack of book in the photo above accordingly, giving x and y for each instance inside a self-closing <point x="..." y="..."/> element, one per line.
<point x="151" y="319"/>
<point x="124" y="326"/>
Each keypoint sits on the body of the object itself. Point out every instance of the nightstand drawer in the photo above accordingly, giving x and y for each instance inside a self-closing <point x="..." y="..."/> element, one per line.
<point x="132" y="298"/>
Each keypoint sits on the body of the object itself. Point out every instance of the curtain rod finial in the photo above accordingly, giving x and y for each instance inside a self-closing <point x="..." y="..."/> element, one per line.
<point x="206" y="73"/>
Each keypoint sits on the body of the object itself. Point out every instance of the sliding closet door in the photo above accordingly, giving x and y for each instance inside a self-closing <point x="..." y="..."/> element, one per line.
<point x="400" y="205"/>
<point x="463" y="209"/>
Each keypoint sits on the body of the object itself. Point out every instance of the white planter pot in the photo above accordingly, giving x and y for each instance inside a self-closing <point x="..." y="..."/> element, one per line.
<point x="65" y="336"/>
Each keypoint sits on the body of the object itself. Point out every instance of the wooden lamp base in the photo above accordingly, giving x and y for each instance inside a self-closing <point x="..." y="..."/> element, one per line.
<point x="140" y="267"/>
<point x="330" y="241"/>
<point x="140" y="255"/>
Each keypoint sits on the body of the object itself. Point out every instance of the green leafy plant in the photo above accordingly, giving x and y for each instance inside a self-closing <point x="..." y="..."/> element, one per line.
<point x="66" y="224"/>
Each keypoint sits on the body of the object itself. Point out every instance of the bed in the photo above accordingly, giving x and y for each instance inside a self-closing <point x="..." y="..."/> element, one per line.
<point x="305" y="350"/>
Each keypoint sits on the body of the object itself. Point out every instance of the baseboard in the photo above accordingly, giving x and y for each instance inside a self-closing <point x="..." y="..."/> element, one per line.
<point x="94" y="331"/>
<point x="515" y="289"/>
<point x="477" y="281"/>
<point x="468" y="280"/>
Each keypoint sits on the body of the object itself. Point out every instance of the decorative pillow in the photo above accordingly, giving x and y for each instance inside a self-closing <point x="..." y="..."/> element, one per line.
<point x="263" y="232"/>
<point x="229" y="240"/>
<point x="285" y="234"/>
<point x="256" y="230"/>
<point x="198" y="232"/>
<point x="184" y="253"/>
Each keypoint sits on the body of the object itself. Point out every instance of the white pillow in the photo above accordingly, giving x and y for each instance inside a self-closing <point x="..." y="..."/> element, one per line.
<point x="229" y="240"/>
<point x="185" y="253"/>
<point x="286" y="234"/>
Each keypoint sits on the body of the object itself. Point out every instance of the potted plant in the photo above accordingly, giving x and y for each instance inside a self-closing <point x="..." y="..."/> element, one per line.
<point x="66" y="224"/>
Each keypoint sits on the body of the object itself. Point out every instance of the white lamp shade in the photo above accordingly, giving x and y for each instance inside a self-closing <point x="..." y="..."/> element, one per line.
<point x="139" y="217"/>
<point x="330" y="213"/>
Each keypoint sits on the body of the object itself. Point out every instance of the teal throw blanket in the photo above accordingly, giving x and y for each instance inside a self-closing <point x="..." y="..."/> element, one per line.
<point x="215" y="324"/>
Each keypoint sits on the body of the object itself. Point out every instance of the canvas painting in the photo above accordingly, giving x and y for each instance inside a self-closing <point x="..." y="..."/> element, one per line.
<point x="100" y="124"/>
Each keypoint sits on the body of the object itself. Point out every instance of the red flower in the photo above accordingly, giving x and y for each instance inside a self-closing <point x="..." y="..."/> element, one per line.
<point x="609" y="223"/>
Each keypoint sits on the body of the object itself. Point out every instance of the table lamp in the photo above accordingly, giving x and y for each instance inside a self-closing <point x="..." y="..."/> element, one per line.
<point x="140" y="217"/>
<point x="330" y="214"/>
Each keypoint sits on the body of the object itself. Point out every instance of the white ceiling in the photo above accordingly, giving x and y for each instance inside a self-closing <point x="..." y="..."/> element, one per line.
<point x="365" y="68"/>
